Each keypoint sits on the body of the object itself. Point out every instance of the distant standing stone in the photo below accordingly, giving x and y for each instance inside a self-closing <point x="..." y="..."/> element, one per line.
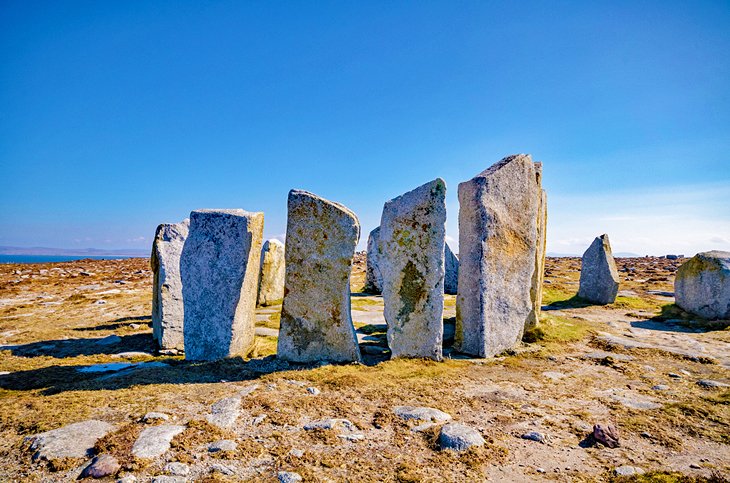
<point x="702" y="285"/>
<point x="498" y="213"/>
<point x="373" y="278"/>
<point x="598" y="274"/>
<point x="220" y="270"/>
<point x="451" y="271"/>
<point x="271" y="281"/>
<point x="316" y="322"/>
<point x="459" y="437"/>
<point x="167" y="294"/>
<point x="412" y="237"/>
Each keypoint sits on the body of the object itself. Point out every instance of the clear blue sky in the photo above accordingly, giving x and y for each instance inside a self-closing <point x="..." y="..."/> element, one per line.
<point x="116" y="116"/>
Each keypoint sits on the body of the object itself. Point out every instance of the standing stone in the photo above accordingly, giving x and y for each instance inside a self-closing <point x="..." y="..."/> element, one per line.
<point x="498" y="213"/>
<point x="167" y="299"/>
<point x="373" y="278"/>
<point x="271" y="282"/>
<point x="220" y="271"/>
<point x="316" y="323"/>
<point x="451" y="274"/>
<point x="702" y="286"/>
<point x="412" y="238"/>
<point x="598" y="274"/>
<point x="539" y="275"/>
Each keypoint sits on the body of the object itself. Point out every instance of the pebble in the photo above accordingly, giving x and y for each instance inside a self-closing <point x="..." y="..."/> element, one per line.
<point x="313" y="391"/>
<point x="127" y="479"/>
<point x="223" y="469"/>
<point x="535" y="436"/>
<point x="351" y="437"/>
<point x="177" y="469"/>
<point x="661" y="387"/>
<point x="674" y="375"/>
<point x="297" y="453"/>
<point x="695" y="466"/>
<point x="628" y="471"/>
<point x="154" y="416"/>
<point x="329" y="423"/>
<point x="222" y="445"/>
<point x="258" y="420"/>
<point x="288" y="477"/>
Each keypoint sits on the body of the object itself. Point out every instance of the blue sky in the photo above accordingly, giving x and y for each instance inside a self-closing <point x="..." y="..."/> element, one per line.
<point x="116" y="116"/>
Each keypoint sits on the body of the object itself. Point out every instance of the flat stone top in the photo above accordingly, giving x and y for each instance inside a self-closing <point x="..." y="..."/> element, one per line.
<point x="225" y="212"/>
<point x="306" y="194"/>
<point x="502" y="163"/>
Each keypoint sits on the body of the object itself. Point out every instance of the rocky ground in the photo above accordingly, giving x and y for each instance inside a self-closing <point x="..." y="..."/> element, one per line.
<point x="76" y="347"/>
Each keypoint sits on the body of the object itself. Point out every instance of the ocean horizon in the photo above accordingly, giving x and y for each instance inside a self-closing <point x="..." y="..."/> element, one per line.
<point x="5" y="259"/>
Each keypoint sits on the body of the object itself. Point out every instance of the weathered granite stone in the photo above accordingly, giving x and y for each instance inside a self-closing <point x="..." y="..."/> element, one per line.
<point x="412" y="237"/>
<point x="451" y="271"/>
<point x="72" y="441"/>
<point x="459" y="437"/>
<point x="421" y="413"/>
<point x="598" y="274"/>
<point x="373" y="277"/>
<point x="702" y="285"/>
<point x="316" y="322"/>
<point x="167" y="300"/>
<point x="539" y="276"/>
<point x="271" y="281"/>
<point x="155" y="440"/>
<point x="220" y="271"/>
<point x="497" y="242"/>
<point x="101" y="466"/>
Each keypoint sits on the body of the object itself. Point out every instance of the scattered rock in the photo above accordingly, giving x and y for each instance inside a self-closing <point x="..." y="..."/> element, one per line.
<point x="73" y="441"/>
<point x="222" y="469"/>
<point x="600" y="355"/>
<point x="316" y="322"/>
<point x="220" y="272"/>
<point x="258" y="420"/>
<point x="313" y="391"/>
<point x="606" y="434"/>
<point x="273" y="271"/>
<point x="155" y="440"/>
<point x="598" y="274"/>
<point x="109" y="340"/>
<point x="459" y="437"/>
<point x="702" y="285"/>
<point x="498" y="215"/>
<point x="169" y="479"/>
<point x="128" y="479"/>
<point x="352" y="437"/>
<point x="555" y="376"/>
<point x="177" y="469"/>
<point x="710" y="384"/>
<point x="225" y="412"/>
<point x="674" y="375"/>
<point x="288" y="477"/>
<point x="421" y="414"/>
<point x="412" y="237"/>
<point x="660" y="387"/>
<point x="628" y="471"/>
<point x="535" y="436"/>
<point x="101" y="466"/>
<point x="222" y="445"/>
<point x="330" y="423"/>
<point x="297" y="453"/>
<point x="131" y="355"/>
<point x="154" y="416"/>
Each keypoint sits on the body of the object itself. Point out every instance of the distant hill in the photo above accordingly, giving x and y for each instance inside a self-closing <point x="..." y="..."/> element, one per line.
<point x="73" y="252"/>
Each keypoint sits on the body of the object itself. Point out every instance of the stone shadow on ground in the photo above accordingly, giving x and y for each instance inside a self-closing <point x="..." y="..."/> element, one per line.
<point x="117" y="324"/>
<point x="574" y="302"/>
<point x="673" y="319"/>
<point x="64" y="348"/>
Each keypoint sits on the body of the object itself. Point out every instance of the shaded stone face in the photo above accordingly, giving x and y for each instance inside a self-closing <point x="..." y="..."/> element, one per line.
<point x="316" y="323"/>
<point x="220" y="272"/>
<point x="271" y="281"/>
<point x="498" y="214"/>
<point x="412" y="237"/>
<point x="539" y="275"/>
<point x="167" y="296"/>
<point x="451" y="275"/>
<point x="373" y="278"/>
<point x="598" y="274"/>
<point x="702" y="285"/>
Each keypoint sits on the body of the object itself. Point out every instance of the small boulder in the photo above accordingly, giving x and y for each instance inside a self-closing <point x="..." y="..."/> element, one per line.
<point x="101" y="466"/>
<point x="73" y="441"/>
<point x="177" y="469"/>
<point x="222" y="445"/>
<point x="710" y="384"/>
<point x="288" y="477"/>
<point x="702" y="285"/>
<point x="459" y="437"/>
<point x="607" y="435"/>
<point x="421" y="414"/>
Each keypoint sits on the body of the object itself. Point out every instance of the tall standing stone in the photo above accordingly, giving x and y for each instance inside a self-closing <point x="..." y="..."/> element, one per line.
<point x="451" y="274"/>
<point x="373" y="278"/>
<point x="539" y="275"/>
<point x="167" y="296"/>
<point x="220" y="273"/>
<point x="412" y="238"/>
<point x="271" y="281"/>
<point x="702" y="285"/>
<point x="498" y="213"/>
<point x="598" y="274"/>
<point x="316" y="323"/>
